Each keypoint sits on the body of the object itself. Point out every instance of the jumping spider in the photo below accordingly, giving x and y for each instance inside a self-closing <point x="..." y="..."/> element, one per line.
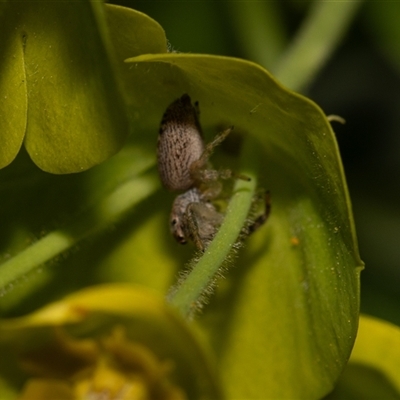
<point x="193" y="217"/>
<point x="183" y="165"/>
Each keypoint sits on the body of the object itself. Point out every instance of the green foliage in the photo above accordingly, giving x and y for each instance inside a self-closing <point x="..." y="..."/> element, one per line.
<point x="58" y="84"/>
<point x="316" y="279"/>
<point x="283" y="323"/>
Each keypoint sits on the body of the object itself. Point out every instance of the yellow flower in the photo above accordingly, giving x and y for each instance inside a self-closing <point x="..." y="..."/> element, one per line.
<point x="107" y="342"/>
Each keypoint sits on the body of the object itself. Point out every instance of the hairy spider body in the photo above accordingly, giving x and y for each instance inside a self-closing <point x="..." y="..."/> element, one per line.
<point x="183" y="166"/>
<point x="180" y="144"/>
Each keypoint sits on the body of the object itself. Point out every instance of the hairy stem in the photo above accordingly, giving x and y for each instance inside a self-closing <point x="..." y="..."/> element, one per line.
<point x="186" y="296"/>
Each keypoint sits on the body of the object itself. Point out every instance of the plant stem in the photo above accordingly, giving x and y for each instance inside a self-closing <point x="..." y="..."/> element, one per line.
<point x="260" y="29"/>
<point x="315" y="42"/>
<point x="110" y="209"/>
<point x="202" y="275"/>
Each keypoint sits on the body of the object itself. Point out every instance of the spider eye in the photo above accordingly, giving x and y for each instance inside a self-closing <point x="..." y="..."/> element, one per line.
<point x="179" y="236"/>
<point x="177" y="231"/>
<point x="181" y="240"/>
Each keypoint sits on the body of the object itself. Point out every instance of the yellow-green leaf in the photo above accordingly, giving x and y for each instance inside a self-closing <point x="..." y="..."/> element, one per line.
<point x="288" y="314"/>
<point x="60" y="86"/>
<point x="13" y="98"/>
<point x="76" y="116"/>
<point x="374" y="365"/>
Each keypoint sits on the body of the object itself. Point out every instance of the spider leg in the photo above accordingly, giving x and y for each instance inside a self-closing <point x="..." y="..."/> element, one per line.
<point x="212" y="145"/>
<point x="208" y="178"/>
<point x="202" y="223"/>
<point x="192" y="227"/>
<point x="200" y="164"/>
<point x="225" y="173"/>
<point x="260" y="220"/>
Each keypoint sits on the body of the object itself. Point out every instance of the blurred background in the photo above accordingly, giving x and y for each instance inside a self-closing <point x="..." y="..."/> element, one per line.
<point x="360" y="82"/>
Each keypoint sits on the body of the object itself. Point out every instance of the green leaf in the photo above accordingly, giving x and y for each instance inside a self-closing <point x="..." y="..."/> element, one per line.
<point x="13" y="99"/>
<point x="374" y="365"/>
<point x="106" y="192"/>
<point x="75" y="108"/>
<point x="288" y="314"/>
<point x="133" y="33"/>
<point x="59" y="80"/>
